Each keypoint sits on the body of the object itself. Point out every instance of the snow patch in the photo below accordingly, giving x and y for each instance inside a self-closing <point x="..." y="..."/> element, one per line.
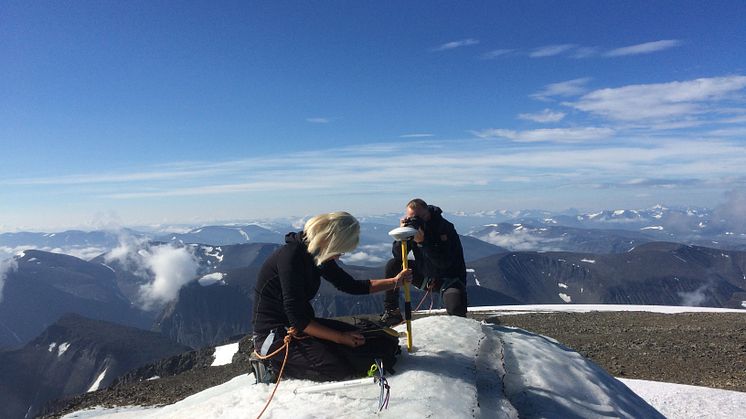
<point x="588" y="260"/>
<point x="217" y="254"/>
<point x="587" y="308"/>
<point x="155" y="377"/>
<point x="224" y="354"/>
<point x="684" y="401"/>
<point x="62" y="348"/>
<point x="52" y="346"/>
<point x="659" y="228"/>
<point x="561" y="285"/>
<point x="566" y="298"/>
<point x="212" y="279"/>
<point x="245" y="236"/>
<point x="96" y="384"/>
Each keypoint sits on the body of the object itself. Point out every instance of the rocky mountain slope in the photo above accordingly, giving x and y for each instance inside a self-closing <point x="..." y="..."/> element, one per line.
<point x="654" y="273"/>
<point x="43" y="286"/>
<point x="72" y="356"/>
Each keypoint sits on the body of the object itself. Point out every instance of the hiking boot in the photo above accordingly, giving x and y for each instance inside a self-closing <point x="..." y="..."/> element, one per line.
<point x="392" y="317"/>
<point x="263" y="372"/>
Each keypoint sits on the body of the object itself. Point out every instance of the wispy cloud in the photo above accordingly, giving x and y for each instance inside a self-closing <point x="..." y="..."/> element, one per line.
<point x="456" y="44"/>
<point x="660" y="101"/>
<point x="550" y="50"/>
<point x="545" y="116"/>
<point x="567" y="88"/>
<point x="550" y="159"/>
<point x="559" y="135"/>
<point x="495" y="53"/>
<point x="319" y="120"/>
<point x="644" y="48"/>
<point x="584" y="51"/>
<point x="422" y="135"/>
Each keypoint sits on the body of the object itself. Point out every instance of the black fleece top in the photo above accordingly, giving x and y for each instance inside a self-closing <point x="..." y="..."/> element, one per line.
<point x="289" y="280"/>
<point x="441" y="254"/>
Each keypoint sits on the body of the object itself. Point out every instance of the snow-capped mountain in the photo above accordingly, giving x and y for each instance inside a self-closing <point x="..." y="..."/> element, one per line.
<point x="225" y="235"/>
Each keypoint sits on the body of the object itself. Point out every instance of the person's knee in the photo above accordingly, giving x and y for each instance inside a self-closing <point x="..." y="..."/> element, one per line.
<point x="455" y="301"/>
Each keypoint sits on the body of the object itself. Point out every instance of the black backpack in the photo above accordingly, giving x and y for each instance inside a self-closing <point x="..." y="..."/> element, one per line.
<point x="381" y="342"/>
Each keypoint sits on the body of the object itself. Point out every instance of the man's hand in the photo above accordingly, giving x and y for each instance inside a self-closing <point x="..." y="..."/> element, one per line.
<point x="352" y="339"/>
<point x="419" y="237"/>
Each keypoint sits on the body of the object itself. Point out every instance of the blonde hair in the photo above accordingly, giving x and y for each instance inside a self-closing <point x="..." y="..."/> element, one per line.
<point x="331" y="234"/>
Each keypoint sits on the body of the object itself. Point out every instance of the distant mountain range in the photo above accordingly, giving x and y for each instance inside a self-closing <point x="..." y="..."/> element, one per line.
<point x="696" y="226"/>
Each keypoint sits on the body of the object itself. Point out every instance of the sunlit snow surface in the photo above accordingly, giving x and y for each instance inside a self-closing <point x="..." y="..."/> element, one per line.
<point x="456" y="371"/>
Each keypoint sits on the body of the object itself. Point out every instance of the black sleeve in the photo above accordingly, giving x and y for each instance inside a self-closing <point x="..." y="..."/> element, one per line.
<point x="439" y="252"/>
<point x="290" y="270"/>
<point x="342" y="280"/>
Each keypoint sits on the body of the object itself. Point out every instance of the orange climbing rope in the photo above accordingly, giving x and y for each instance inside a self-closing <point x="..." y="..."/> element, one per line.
<point x="292" y="334"/>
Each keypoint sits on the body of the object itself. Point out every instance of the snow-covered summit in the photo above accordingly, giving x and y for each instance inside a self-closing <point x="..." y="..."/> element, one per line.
<point x="460" y="368"/>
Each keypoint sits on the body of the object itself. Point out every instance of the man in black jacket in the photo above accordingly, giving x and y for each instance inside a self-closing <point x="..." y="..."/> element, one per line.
<point x="438" y="261"/>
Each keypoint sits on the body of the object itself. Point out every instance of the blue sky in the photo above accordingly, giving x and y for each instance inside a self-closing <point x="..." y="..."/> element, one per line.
<point x="164" y="112"/>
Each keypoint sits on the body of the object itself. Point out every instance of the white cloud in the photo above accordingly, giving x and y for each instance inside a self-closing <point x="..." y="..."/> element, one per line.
<point x="495" y="53"/>
<point x="6" y="266"/>
<point x="423" y="135"/>
<point x="172" y="268"/>
<point x="166" y="267"/>
<point x="550" y="50"/>
<point x="644" y="48"/>
<point x="319" y="120"/>
<point x="363" y="258"/>
<point x="456" y="44"/>
<point x="379" y="171"/>
<point x="547" y="115"/>
<point x="560" y="135"/>
<point x="694" y="298"/>
<point x="567" y="88"/>
<point x="659" y="101"/>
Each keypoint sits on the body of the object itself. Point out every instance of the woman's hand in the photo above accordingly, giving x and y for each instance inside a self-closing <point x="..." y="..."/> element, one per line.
<point x="352" y="339"/>
<point x="404" y="275"/>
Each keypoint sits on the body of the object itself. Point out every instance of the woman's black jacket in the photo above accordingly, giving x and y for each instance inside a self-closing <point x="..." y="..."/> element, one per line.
<point x="289" y="280"/>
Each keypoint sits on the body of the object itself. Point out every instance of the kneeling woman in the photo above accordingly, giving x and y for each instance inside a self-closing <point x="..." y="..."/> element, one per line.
<point x="287" y="282"/>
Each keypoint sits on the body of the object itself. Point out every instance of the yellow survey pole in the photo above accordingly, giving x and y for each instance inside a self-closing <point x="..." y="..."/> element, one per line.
<point x="407" y="297"/>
